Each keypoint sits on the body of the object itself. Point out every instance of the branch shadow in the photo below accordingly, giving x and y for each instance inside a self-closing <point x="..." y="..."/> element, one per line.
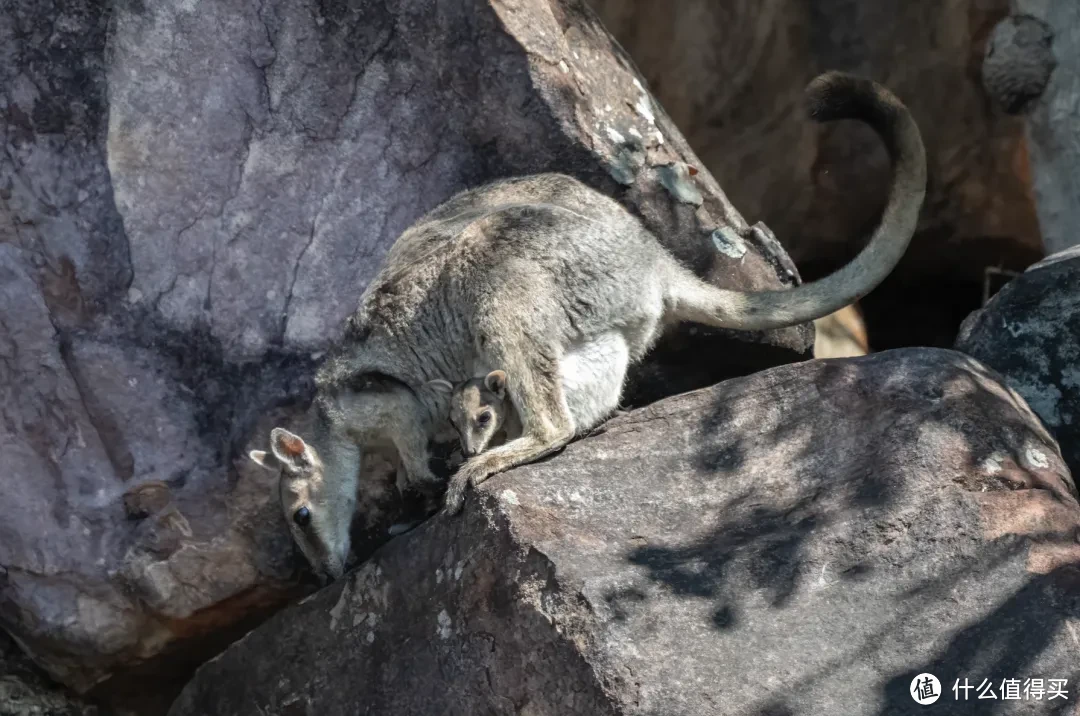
<point x="877" y="445"/>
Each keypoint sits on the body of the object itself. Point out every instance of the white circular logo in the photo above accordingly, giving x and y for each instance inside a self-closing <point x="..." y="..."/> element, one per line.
<point x="925" y="689"/>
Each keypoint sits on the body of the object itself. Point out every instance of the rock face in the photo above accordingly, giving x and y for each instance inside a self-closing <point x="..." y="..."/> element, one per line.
<point x="730" y="75"/>
<point x="334" y="128"/>
<point x="1030" y="332"/>
<point x="193" y="197"/>
<point x="1037" y="68"/>
<point x="1018" y="62"/>
<point x="802" y="541"/>
<point x="23" y="692"/>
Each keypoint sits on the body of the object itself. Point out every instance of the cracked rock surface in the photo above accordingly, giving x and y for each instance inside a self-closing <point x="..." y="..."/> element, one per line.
<point x="805" y="540"/>
<point x="1030" y="332"/>
<point x="193" y="196"/>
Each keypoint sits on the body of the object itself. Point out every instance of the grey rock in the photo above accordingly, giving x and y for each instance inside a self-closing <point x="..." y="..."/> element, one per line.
<point x="293" y="164"/>
<point x="1069" y="253"/>
<point x="1030" y="332"/>
<point x="731" y="75"/>
<point x="1018" y="62"/>
<point x="802" y="541"/>
<point x="193" y="196"/>
<point x="25" y="692"/>
<point x="1046" y="42"/>
<point x="676" y="179"/>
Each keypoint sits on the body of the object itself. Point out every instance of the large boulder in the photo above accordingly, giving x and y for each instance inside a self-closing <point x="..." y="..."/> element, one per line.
<point x="806" y="541"/>
<point x="1030" y="332"/>
<point x="730" y="74"/>
<point x="1032" y="66"/>
<point x="194" y="196"/>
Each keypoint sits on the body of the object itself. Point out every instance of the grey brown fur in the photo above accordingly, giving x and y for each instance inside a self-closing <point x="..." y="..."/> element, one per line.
<point x="563" y="288"/>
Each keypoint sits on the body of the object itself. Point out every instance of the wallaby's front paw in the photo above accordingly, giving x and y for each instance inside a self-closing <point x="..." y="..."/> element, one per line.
<point x="468" y="476"/>
<point x="455" y="496"/>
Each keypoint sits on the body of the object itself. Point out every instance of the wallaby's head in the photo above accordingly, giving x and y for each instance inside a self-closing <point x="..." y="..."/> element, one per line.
<point x="317" y="488"/>
<point x="479" y="409"/>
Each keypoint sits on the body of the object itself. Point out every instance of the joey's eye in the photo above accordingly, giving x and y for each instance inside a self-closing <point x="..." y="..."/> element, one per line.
<point x="302" y="516"/>
<point x="484" y="418"/>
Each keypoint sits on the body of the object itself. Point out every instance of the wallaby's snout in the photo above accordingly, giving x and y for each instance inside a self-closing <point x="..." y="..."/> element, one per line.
<point x="334" y="568"/>
<point x="322" y="573"/>
<point x="326" y="575"/>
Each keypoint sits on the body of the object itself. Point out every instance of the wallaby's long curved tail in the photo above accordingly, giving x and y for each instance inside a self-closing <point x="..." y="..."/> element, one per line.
<point x="833" y="95"/>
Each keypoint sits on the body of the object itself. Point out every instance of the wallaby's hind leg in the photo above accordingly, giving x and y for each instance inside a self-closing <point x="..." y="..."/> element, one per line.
<point x="546" y="423"/>
<point x="592" y="375"/>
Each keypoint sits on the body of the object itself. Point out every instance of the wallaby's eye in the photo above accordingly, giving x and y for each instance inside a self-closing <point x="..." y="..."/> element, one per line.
<point x="302" y="516"/>
<point x="484" y="418"/>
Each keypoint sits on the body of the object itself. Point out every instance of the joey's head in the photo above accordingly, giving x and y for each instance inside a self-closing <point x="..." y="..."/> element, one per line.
<point x="317" y="489"/>
<point x="479" y="409"/>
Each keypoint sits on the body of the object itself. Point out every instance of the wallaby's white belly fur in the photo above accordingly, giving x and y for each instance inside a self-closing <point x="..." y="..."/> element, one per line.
<point x="592" y="374"/>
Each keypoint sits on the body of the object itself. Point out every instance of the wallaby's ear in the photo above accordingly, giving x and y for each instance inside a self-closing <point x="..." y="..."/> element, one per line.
<point x="440" y="385"/>
<point x="496" y="383"/>
<point x="264" y="460"/>
<point x="287" y="447"/>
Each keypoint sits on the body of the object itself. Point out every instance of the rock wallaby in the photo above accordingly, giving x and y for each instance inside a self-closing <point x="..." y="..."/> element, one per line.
<point x="525" y="275"/>
<point x="481" y="412"/>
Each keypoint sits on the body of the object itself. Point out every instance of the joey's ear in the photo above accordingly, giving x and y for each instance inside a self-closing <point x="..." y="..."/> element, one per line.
<point x="287" y="447"/>
<point x="496" y="383"/>
<point x="440" y="385"/>
<point x="264" y="460"/>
